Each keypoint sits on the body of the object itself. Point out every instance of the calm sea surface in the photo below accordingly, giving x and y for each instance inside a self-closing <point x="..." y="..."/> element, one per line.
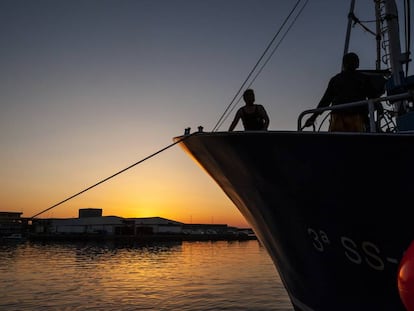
<point x="167" y="276"/>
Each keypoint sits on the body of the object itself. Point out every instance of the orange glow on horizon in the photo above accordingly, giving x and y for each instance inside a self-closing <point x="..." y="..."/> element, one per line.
<point x="192" y="208"/>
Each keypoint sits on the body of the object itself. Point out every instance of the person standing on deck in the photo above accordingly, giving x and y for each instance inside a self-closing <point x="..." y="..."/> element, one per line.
<point x="254" y="117"/>
<point x="346" y="87"/>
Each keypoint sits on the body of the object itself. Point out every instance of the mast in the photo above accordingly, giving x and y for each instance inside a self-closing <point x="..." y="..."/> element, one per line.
<point x="348" y="29"/>
<point x="378" y="33"/>
<point x="393" y="44"/>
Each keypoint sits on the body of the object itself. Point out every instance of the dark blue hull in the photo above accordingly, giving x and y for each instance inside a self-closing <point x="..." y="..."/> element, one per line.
<point x="333" y="210"/>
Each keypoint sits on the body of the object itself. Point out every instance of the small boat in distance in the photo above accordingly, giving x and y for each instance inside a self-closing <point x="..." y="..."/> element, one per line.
<point x="337" y="221"/>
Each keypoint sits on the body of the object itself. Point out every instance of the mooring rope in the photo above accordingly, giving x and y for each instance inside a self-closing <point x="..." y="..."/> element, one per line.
<point x="116" y="174"/>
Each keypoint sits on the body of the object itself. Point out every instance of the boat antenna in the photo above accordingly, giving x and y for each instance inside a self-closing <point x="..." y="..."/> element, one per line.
<point x="255" y="66"/>
<point x="187" y="135"/>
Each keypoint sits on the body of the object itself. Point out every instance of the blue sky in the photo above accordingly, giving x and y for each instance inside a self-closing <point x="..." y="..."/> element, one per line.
<point x="89" y="87"/>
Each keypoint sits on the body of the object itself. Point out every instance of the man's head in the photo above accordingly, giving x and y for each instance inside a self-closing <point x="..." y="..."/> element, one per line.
<point x="248" y="96"/>
<point x="350" y="61"/>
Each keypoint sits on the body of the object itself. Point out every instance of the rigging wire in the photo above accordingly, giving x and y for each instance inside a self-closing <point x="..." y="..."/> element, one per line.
<point x="113" y="175"/>
<point x="407" y="24"/>
<point x="266" y="61"/>
<point x="361" y="23"/>
<point x="255" y="66"/>
<point x="187" y="136"/>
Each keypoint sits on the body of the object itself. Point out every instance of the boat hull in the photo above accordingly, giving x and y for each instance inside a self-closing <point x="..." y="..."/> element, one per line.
<point x="332" y="209"/>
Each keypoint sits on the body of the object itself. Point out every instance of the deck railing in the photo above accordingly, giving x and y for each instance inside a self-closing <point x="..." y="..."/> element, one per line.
<point x="370" y="103"/>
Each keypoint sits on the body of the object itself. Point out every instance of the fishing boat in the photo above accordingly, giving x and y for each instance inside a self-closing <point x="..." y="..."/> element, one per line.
<point x="336" y="221"/>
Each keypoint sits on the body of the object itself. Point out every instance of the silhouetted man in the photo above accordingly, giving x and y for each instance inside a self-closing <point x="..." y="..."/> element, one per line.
<point x="346" y="87"/>
<point x="254" y="117"/>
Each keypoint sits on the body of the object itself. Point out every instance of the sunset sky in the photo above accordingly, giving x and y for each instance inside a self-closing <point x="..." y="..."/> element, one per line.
<point x="89" y="87"/>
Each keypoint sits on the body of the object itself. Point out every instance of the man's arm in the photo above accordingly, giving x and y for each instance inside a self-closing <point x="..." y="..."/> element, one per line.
<point x="235" y="121"/>
<point x="324" y="102"/>
<point x="265" y="118"/>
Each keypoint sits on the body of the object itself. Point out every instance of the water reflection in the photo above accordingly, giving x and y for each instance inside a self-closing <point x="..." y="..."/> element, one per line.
<point x="154" y="276"/>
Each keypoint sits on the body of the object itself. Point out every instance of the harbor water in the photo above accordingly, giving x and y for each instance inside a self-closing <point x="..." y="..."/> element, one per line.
<point x="237" y="275"/>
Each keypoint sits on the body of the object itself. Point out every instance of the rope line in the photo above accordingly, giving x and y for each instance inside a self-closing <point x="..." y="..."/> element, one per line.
<point x="255" y="66"/>
<point x="221" y="119"/>
<point x="113" y="175"/>
<point x="278" y="44"/>
<point x="267" y="60"/>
